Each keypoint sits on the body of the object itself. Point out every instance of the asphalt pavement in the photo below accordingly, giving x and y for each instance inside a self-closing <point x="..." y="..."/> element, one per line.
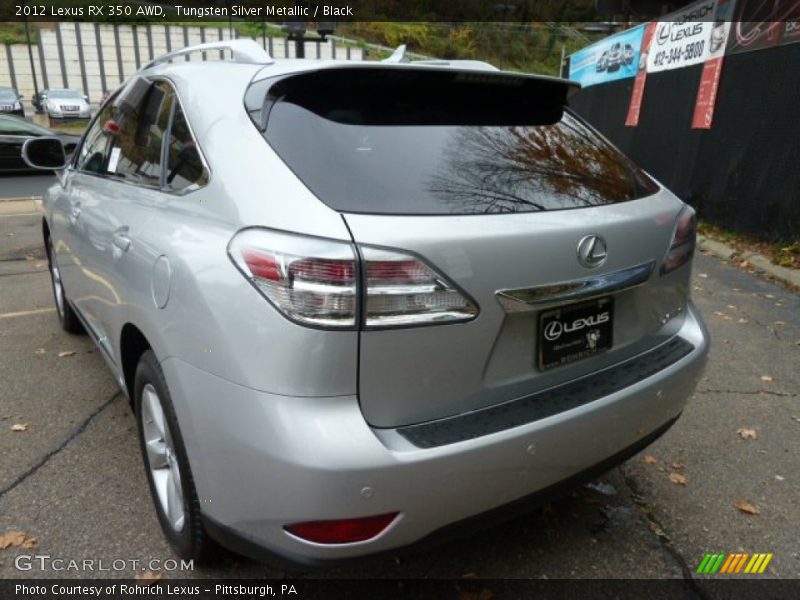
<point x="24" y="185"/>
<point x="74" y="480"/>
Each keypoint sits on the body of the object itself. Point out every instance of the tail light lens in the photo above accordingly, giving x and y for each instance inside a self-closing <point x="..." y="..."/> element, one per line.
<point x="310" y="280"/>
<point x="321" y="283"/>
<point x="681" y="247"/>
<point x="342" y="531"/>
<point x="402" y="290"/>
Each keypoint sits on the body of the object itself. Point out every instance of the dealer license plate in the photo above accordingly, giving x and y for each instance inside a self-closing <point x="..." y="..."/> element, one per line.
<point x="575" y="332"/>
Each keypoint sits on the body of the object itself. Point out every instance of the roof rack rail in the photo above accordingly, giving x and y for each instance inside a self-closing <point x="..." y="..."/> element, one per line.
<point x="244" y="51"/>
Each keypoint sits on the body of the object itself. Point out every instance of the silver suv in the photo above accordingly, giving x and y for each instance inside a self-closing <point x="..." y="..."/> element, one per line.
<point x="355" y="305"/>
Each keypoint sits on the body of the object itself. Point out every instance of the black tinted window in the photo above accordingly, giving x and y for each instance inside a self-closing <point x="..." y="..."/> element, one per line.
<point x="185" y="167"/>
<point x="94" y="151"/>
<point x="423" y="142"/>
<point x="136" y="155"/>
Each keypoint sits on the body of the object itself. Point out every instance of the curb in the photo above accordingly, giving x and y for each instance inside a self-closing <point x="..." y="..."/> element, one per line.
<point x="20" y="206"/>
<point x="759" y="261"/>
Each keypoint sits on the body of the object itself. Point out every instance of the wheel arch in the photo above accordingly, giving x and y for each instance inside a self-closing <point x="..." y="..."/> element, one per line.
<point x="132" y="344"/>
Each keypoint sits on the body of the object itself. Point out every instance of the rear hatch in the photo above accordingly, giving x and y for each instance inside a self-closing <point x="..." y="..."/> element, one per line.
<point x="514" y="201"/>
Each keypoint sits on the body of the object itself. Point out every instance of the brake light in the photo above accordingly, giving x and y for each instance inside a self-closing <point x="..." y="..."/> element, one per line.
<point x="320" y="282"/>
<point x="310" y="280"/>
<point x="681" y="246"/>
<point x="342" y="531"/>
<point x="402" y="290"/>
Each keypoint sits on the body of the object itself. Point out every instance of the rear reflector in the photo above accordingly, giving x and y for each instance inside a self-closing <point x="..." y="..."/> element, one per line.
<point x="341" y="531"/>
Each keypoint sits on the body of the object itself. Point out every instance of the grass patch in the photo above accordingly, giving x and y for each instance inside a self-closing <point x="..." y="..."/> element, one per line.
<point x="781" y="253"/>
<point x="14" y="33"/>
<point x="72" y="127"/>
<point x="528" y="47"/>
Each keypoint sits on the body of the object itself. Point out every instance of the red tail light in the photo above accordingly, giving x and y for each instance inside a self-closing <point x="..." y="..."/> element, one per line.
<point x="310" y="280"/>
<point x="342" y="531"/>
<point x="318" y="282"/>
<point x="681" y="248"/>
<point x="402" y="290"/>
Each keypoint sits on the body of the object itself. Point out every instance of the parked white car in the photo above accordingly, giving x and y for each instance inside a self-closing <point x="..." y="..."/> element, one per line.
<point x="66" y="104"/>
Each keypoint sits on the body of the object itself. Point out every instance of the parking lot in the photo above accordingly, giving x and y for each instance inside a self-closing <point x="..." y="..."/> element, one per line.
<point x="724" y="479"/>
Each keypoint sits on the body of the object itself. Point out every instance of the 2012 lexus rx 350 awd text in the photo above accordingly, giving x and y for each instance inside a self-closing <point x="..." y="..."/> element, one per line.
<point x="356" y="306"/>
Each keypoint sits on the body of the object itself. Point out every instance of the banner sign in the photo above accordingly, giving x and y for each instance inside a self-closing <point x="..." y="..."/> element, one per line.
<point x="690" y="37"/>
<point x="712" y="69"/>
<point x="635" y="108"/>
<point x="759" y="24"/>
<point x="616" y="57"/>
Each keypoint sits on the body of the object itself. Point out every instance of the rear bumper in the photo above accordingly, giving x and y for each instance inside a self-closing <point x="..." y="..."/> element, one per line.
<point x="261" y="461"/>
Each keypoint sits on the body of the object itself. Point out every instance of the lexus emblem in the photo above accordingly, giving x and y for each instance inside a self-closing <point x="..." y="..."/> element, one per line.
<point x="592" y="251"/>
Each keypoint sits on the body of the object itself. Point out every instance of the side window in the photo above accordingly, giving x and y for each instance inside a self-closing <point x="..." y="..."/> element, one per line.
<point x="185" y="169"/>
<point x="94" y="151"/>
<point x="136" y="152"/>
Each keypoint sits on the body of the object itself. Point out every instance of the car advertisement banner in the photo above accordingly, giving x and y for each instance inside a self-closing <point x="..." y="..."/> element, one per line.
<point x="759" y="24"/>
<point x="690" y="36"/>
<point x="712" y="70"/>
<point x="635" y="107"/>
<point x="616" y="57"/>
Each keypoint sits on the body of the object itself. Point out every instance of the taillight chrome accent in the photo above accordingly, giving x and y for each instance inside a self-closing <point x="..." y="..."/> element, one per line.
<point x="319" y="282"/>
<point x="681" y="247"/>
<point x="402" y="290"/>
<point x="310" y="280"/>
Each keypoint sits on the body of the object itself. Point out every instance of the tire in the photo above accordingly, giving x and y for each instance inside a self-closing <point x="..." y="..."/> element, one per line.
<point x="166" y="464"/>
<point x="66" y="314"/>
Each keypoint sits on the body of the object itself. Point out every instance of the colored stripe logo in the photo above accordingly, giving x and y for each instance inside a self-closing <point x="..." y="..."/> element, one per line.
<point x="734" y="563"/>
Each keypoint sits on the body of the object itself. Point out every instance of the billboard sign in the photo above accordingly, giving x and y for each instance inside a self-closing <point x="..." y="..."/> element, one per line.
<point x="615" y="57"/>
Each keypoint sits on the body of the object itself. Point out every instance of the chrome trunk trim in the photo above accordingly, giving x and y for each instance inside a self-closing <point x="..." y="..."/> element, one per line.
<point x="532" y="298"/>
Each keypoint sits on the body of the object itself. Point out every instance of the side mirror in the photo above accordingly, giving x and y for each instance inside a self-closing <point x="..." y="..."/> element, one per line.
<point x="44" y="153"/>
<point x="20" y="96"/>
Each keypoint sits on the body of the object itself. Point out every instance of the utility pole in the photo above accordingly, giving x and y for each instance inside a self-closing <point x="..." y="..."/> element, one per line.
<point x="297" y="33"/>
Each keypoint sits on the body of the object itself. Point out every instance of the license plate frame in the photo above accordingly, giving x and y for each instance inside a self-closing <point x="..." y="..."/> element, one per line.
<point x="574" y="332"/>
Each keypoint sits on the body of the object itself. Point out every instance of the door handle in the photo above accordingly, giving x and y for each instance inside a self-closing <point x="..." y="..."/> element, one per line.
<point x="74" y="213"/>
<point x="122" y="241"/>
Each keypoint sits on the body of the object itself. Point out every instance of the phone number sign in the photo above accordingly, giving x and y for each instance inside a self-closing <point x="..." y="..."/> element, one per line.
<point x="690" y="37"/>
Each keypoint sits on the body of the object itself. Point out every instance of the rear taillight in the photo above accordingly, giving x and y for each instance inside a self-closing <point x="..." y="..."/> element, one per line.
<point x="402" y="290"/>
<point x="310" y="280"/>
<point x="681" y="246"/>
<point x="342" y="531"/>
<point x="321" y="282"/>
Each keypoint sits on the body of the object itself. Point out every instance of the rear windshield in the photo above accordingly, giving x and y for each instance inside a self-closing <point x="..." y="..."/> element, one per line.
<point x="413" y="141"/>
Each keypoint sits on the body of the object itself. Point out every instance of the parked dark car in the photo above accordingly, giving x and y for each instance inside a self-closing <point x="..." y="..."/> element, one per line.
<point x="14" y="131"/>
<point x="11" y="102"/>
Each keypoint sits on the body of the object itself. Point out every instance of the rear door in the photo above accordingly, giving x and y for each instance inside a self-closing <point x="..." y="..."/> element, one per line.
<point x="519" y="204"/>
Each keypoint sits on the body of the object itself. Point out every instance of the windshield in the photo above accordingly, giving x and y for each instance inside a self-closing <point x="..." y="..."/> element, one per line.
<point x="7" y="96"/>
<point x="65" y="94"/>
<point x="379" y="145"/>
